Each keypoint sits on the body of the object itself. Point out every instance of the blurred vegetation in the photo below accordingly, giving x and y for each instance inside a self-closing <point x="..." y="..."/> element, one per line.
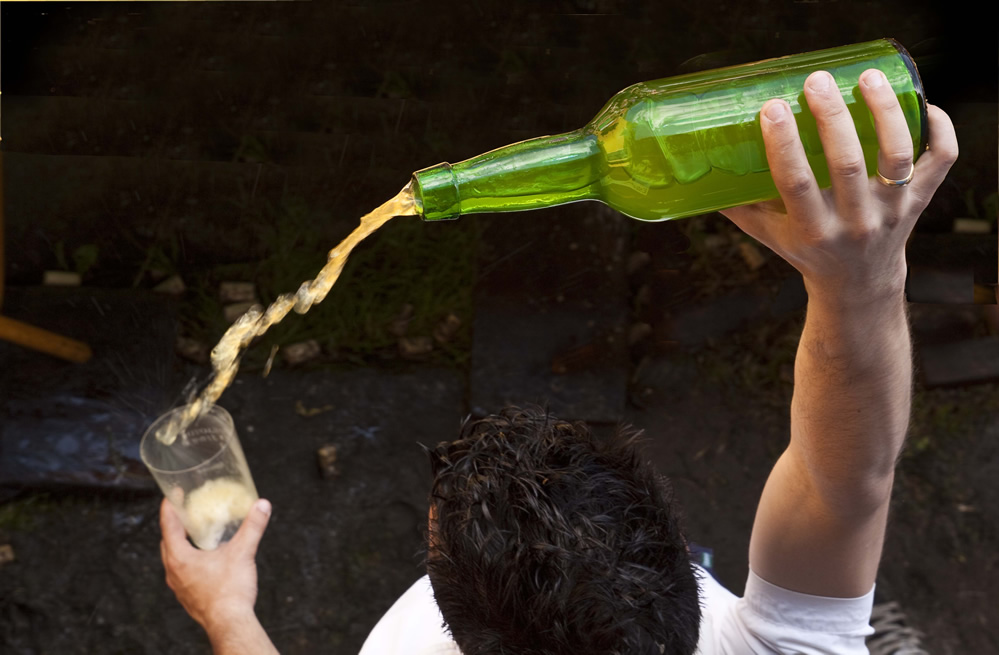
<point x="22" y="513"/>
<point x="941" y="416"/>
<point x="406" y="262"/>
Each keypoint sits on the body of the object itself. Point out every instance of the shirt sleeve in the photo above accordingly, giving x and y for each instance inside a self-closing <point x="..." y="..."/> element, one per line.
<point x="412" y="626"/>
<point x="769" y="619"/>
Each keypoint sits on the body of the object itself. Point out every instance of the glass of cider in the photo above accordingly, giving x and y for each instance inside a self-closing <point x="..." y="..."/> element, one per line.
<point x="202" y="471"/>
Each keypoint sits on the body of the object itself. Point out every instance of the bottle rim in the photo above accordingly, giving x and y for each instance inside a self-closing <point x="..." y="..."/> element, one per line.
<point x="917" y="85"/>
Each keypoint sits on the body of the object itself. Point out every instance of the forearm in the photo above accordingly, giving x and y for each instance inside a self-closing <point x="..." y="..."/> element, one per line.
<point x="850" y="411"/>
<point x="239" y="634"/>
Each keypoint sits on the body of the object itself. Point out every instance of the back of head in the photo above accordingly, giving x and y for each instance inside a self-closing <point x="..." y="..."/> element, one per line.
<point x="550" y="542"/>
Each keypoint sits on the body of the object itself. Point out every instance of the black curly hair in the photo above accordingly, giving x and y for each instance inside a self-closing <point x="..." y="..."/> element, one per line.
<point x="548" y="541"/>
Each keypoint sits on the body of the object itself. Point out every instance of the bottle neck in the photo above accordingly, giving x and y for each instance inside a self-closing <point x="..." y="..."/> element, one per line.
<point x="541" y="172"/>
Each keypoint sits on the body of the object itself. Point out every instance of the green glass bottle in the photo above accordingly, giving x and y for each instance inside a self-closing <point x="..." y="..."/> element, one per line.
<point x="675" y="147"/>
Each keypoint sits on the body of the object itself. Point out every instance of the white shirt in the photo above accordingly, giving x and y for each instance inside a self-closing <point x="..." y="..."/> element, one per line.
<point x="766" y="620"/>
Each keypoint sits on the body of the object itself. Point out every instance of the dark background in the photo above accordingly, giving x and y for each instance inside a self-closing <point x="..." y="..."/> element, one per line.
<point x="342" y="100"/>
<point x="133" y="128"/>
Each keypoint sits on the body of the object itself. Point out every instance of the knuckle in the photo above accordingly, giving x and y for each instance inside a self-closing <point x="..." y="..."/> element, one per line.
<point x="898" y="160"/>
<point x="796" y="185"/>
<point x="949" y="154"/>
<point x="861" y="233"/>
<point x="848" y="166"/>
<point x="831" y="112"/>
<point x="919" y="200"/>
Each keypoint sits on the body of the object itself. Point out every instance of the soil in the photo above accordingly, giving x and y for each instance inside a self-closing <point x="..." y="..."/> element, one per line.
<point x="137" y="129"/>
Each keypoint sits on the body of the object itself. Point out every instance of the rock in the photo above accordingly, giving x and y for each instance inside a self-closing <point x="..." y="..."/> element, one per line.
<point x="298" y="353"/>
<point x="638" y="332"/>
<point x="192" y="350"/>
<point x="237" y="292"/>
<point x="61" y="279"/>
<point x="637" y="261"/>
<point x="326" y="458"/>
<point x="971" y="361"/>
<point x="447" y="328"/>
<point x="309" y="412"/>
<point x="715" y="242"/>
<point x="985" y="294"/>
<point x="6" y="554"/>
<point x="157" y="274"/>
<point x="400" y="323"/>
<point x="992" y="318"/>
<point x="951" y="286"/>
<point x="415" y="347"/>
<point x="751" y="255"/>
<point x="173" y="286"/>
<point x="971" y="226"/>
<point x="235" y="310"/>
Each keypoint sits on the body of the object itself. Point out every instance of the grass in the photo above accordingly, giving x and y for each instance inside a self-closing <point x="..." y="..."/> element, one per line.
<point x="942" y="417"/>
<point x="427" y="265"/>
<point x="758" y="360"/>
<point x="21" y="514"/>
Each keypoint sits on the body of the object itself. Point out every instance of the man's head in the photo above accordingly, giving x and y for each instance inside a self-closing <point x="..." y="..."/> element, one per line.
<point x="547" y="541"/>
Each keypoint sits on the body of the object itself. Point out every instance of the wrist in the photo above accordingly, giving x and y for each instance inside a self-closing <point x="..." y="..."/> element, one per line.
<point x="237" y="631"/>
<point x="852" y="282"/>
<point x="227" y="617"/>
<point x="886" y="294"/>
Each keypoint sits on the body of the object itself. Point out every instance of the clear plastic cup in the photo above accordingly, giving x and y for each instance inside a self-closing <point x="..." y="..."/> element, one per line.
<point x="203" y="473"/>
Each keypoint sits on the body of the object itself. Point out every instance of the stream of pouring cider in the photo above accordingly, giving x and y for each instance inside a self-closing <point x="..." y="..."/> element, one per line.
<point x="255" y="322"/>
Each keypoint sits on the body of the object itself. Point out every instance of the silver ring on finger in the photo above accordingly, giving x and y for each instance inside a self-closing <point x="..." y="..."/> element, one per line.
<point x="897" y="183"/>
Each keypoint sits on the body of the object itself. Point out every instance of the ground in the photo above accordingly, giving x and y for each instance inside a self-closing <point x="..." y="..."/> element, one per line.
<point x="239" y="141"/>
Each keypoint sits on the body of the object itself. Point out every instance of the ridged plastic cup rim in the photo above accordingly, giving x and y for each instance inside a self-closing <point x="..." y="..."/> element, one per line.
<point x="150" y="433"/>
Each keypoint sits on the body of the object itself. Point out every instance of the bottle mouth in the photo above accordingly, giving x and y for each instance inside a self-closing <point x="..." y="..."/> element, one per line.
<point x="435" y="190"/>
<point x="917" y="85"/>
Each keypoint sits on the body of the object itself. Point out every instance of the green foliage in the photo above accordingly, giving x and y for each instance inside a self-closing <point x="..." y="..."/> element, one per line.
<point x="253" y="150"/>
<point x="84" y="257"/>
<point x="157" y="259"/>
<point x="430" y="267"/>
<point x="942" y="416"/>
<point x="758" y="360"/>
<point x="426" y="265"/>
<point x="987" y="210"/>
<point x="20" y="514"/>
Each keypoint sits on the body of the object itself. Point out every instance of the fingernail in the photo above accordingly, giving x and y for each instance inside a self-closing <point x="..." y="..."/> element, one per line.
<point x="874" y="80"/>
<point x="820" y="82"/>
<point x="264" y="507"/>
<point x="776" y="112"/>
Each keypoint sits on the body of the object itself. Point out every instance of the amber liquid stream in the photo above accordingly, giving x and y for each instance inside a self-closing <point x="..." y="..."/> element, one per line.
<point x="256" y="321"/>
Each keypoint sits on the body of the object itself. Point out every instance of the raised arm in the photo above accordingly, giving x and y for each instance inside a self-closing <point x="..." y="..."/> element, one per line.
<point x="821" y="520"/>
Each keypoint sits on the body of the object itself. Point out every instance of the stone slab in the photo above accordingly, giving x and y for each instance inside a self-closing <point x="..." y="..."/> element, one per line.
<point x="955" y="254"/>
<point x="65" y="424"/>
<point x="928" y="285"/>
<point x="972" y="361"/>
<point x="574" y="362"/>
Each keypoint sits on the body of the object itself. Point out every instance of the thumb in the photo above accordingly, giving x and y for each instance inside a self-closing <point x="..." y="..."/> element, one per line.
<point x="249" y="534"/>
<point x="755" y="220"/>
<point x="174" y="534"/>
